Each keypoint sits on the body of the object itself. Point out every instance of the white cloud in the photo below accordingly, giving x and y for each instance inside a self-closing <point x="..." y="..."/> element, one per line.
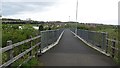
<point x="103" y="11"/>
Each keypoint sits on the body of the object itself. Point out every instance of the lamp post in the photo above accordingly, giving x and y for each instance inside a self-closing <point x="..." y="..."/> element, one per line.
<point x="69" y="18"/>
<point x="69" y="22"/>
<point x="76" y="16"/>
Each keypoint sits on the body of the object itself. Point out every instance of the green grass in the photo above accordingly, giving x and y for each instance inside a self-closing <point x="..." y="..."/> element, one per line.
<point x="112" y="33"/>
<point x="31" y="63"/>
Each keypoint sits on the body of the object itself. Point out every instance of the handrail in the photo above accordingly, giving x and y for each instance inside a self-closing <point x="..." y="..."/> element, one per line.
<point x="19" y="56"/>
<point x="17" y="44"/>
<point x="110" y="46"/>
<point x="112" y="40"/>
<point x="10" y="48"/>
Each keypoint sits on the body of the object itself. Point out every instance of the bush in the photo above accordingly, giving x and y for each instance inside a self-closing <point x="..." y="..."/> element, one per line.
<point x="12" y="32"/>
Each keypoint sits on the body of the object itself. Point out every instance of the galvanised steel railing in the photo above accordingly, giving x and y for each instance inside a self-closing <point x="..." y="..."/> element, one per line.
<point x="49" y="37"/>
<point x="95" y="38"/>
<point x="10" y="51"/>
<point x="32" y="47"/>
<point x="101" y="41"/>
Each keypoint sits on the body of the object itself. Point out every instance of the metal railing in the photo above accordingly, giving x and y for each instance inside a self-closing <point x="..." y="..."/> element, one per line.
<point x="9" y="50"/>
<point x="29" y="47"/>
<point x="113" y="49"/>
<point x="101" y="41"/>
<point x="49" y="37"/>
<point x="96" y="38"/>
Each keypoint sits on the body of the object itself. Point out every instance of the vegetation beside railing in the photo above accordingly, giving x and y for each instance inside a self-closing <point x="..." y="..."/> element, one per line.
<point x="20" y="32"/>
<point x="16" y="33"/>
<point x="113" y="49"/>
<point x="13" y="52"/>
<point x="112" y="30"/>
<point x="32" y="63"/>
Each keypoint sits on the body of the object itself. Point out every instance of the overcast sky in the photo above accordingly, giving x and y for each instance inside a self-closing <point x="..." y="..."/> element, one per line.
<point x="89" y="11"/>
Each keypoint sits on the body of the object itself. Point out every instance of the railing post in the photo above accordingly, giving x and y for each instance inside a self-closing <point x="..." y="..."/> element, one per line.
<point x="36" y="41"/>
<point x="11" y="50"/>
<point x="0" y="56"/>
<point x="106" y="46"/>
<point x="40" y="46"/>
<point x="113" y="49"/>
<point x="119" y="52"/>
<point x="106" y="43"/>
<point x="30" y="46"/>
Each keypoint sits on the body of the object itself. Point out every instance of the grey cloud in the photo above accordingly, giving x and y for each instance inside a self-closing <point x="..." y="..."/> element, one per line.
<point x="11" y="8"/>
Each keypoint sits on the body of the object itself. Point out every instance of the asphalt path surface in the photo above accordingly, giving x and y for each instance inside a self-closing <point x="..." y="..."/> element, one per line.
<point x="72" y="52"/>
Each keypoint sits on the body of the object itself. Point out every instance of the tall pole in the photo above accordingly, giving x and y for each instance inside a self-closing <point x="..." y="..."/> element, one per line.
<point x="69" y="22"/>
<point x="69" y="18"/>
<point x="76" y="16"/>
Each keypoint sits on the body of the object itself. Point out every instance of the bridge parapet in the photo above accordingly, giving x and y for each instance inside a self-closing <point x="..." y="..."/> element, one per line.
<point x="33" y="47"/>
<point x="100" y="42"/>
<point x="49" y="37"/>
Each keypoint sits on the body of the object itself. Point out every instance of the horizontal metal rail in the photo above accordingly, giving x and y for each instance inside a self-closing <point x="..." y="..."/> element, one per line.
<point x="112" y="40"/>
<point x="114" y="48"/>
<point x="10" y="48"/>
<point x="19" y="56"/>
<point x="17" y="44"/>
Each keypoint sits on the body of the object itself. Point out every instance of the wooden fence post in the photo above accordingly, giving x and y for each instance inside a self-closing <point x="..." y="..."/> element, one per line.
<point x="11" y="50"/>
